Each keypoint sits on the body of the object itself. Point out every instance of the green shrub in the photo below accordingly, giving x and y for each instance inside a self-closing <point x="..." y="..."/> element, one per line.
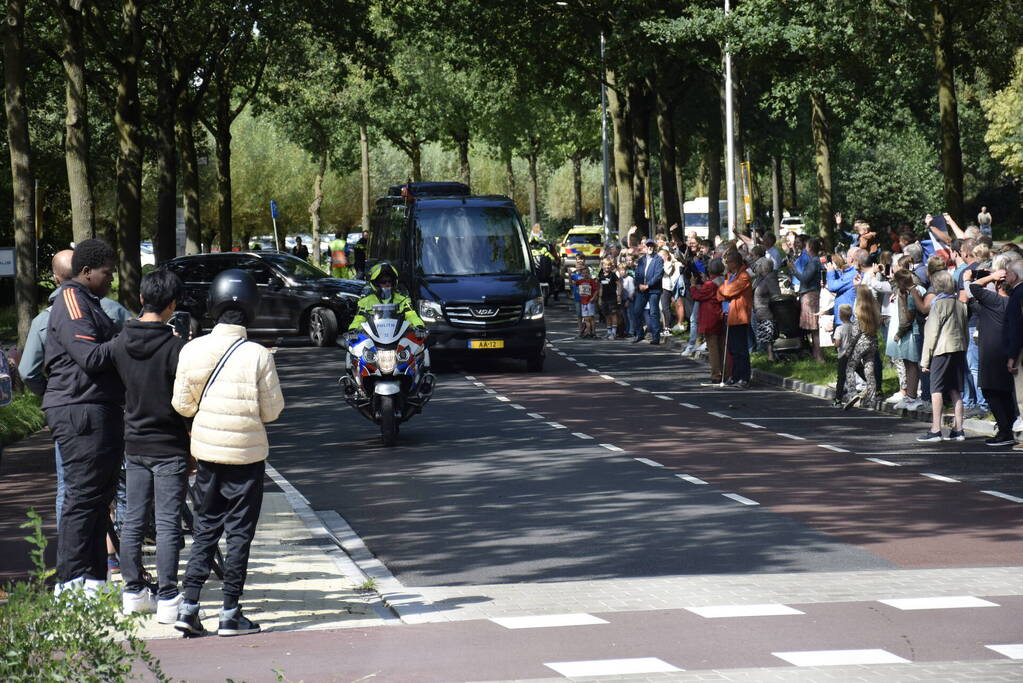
<point x="67" y="638"/>
<point x="20" y="417"/>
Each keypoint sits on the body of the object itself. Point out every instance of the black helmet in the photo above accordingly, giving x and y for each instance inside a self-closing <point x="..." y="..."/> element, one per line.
<point x="378" y="271"/>
<point x="234" y="289"/>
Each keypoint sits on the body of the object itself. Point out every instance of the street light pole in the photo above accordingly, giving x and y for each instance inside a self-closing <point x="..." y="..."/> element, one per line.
<point x="603" y="142"/>
<point x="729" y="136"/>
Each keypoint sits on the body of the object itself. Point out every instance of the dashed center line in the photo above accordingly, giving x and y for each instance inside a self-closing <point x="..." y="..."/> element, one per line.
<point x="594" y="370"/>
<point x="940" y="477"/>
<point x="503" y="398"/>
<point x="607" y="377"/>
<point x="881" y="461"/>
<point x="490" y="391"/>
<point x="1005" y="496"/>
<point x="470" y="378"/>
<point x="791" y="436"/>
<point x="622" y="383"/>
<point x="516" y="406"/>
<point x="690" y="406"/>
<point x="740" y="499"/>
<point x="833" y="448"/>
<point x="754" y="425"/>
<point x="691" y="479"/>
<point x="641" y="390"/>
<point x="557" y="425"/>
<point x="612" y="447"/>
<point x="570" y="358"/>
<point x="721" y="415"/>
<point x="662" y="397"/>
<point x="581" y="435"/>
<point x="582" y="365"/>
<point x="648" y="461"/>
<point x="536" y="416"/>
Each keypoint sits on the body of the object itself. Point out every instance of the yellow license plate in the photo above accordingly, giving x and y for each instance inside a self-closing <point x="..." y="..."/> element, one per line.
<point x="486" y="343"/>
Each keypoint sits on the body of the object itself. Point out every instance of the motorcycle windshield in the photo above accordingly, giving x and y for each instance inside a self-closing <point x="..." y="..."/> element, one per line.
<point x="386" y="322"/>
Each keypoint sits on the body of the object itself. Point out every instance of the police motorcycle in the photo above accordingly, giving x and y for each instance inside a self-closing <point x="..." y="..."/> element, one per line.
<point x="387" y="371"/>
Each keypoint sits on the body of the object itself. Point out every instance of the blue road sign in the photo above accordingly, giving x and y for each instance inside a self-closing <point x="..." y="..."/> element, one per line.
<point x="274" y="213"/>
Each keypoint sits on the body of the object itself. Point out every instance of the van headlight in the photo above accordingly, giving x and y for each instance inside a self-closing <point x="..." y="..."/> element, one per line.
<point x="430" y="311"/>
<point x="534" y="309"/>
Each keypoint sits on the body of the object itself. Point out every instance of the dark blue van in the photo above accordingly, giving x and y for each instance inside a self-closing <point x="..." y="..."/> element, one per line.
<point x="465" y="262"/>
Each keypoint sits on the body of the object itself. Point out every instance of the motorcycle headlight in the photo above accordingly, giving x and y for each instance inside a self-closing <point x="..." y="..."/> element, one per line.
<point x="534" y="309"/>
<point x="369" y="355"/>
<point x="404" y="354"/>
<point x="386" y="361"/>
<point x="430" y="311"/>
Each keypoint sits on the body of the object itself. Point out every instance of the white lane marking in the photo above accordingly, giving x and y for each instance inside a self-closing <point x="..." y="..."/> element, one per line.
<point x="479" y="384"/>
<point x="622" y="383"/>
<point x="548" y="621"/>
<point x="944" y="602"/>
<point x="726" y="611"/>
<point x="570" y="358"/>
<point x="535" y="416"/>
<point x="557" y="425"/>
<point x="648" y="461"/>
<point x="1006" y="496"/>
<point x="516" y="406"/>
<point x="727" y="417"/>
<point x="503" y="398"/>
<point x="754" y="425"/>
<point x="490" y="391"/>
<point x="582" y="365"/>
<point x="470" y="378"/>
<point x="612" y="447"/>
<point x="641" y="390"/>
<point x="940" y="477"/>
<point x="740" y="499"/>
<point x="691" y="479"/>
<point x="839" y="657"/>
<point x="886" y="463"/>
<point x="833" y="448"/>
<point x="607" y="377"/>
<point x="663" y="398"/>
<point x="612" y="667"/>
<point x="580" y="435"/>
<point x="689" y="405"/>
<point x="1010" y="650"/>
<point x="791" y="436"/>
<point x="831" y="417"/>
<point x="594" y="370"/>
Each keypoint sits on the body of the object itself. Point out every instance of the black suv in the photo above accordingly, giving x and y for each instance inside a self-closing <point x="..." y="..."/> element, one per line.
<point x="295" y="296"/>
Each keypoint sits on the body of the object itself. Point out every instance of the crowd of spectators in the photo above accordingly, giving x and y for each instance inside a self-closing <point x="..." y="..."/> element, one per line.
<point x="936" y="302"/>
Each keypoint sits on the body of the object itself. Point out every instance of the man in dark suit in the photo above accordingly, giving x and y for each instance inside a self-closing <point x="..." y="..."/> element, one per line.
<point x="649" y="272"/>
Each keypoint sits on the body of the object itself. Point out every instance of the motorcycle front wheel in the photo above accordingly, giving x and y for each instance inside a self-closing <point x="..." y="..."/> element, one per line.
<point x="388" y="421"/>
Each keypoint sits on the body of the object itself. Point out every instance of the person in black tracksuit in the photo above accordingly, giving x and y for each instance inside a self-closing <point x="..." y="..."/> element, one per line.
<point x="83" y="409"/>
<point x="155" y="444"/>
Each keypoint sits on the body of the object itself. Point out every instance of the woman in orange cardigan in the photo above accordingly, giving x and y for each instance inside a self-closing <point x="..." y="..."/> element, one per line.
<point x="736" y="295"/>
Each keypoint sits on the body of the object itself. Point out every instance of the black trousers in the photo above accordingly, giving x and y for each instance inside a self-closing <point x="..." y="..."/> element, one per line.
<point x="91" y="439"/>
<point x="1003" y="407"/>
<point x="230" y="497"/>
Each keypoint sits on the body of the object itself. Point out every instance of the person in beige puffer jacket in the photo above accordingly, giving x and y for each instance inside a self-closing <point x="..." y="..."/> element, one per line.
<point x="229" y="442"/>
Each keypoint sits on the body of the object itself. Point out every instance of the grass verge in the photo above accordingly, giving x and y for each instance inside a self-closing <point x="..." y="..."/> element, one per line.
<point x="825" y="373"/>
<point x="20" y="417"/>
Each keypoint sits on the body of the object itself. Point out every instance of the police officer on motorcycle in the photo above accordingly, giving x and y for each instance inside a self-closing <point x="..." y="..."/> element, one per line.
<point x="383" y="280"/>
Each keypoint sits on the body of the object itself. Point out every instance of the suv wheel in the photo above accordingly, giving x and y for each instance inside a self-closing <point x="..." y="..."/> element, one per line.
<point x="322" y="327"/>
<point x="534" y="363"/>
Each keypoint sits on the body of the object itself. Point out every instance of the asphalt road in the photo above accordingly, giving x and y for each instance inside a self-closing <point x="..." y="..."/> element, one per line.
<point x="484" y="489"/>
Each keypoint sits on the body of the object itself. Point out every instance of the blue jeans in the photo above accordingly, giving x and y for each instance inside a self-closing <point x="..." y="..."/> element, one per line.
<point x="694" y="324"/>
<point x="652" y="309"/>
<point x="972" y="397"/>
<point x="636" y="314"/>
<point x="59" y="503"/>
<point x="159" y="482"/>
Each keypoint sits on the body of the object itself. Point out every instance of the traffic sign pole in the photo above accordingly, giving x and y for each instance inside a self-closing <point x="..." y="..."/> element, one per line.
<point x="274" y="214"/>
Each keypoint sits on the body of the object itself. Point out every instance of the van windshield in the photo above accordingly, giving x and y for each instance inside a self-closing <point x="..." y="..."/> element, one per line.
<point x="697" y="220"/>
<point x="470" y="240"/>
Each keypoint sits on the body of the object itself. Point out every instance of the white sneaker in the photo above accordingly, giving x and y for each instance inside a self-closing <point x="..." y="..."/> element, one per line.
<point x="702" y="347"/>
<point x="72" y="585"/>
<point x="93" y="587"/>
<point x="913" y="404"/>
<point x="142" y="602"/>
<point x="896" y="398"/>
<point x="688" y="351"/>
<point x="902" y="404"/>
<point x="167" y="610"/>
<point x="1017" y="426"/>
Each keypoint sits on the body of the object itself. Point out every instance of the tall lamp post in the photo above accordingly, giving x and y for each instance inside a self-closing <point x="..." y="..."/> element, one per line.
<point x="603" y="144"/>
<point x="729" y="136"/>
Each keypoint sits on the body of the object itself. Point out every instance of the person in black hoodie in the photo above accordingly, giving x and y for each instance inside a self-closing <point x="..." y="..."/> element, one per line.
<point x="156" y="446"/>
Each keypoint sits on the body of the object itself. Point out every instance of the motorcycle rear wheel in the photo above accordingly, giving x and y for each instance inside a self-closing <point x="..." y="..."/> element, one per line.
<point x="388" y="421"/>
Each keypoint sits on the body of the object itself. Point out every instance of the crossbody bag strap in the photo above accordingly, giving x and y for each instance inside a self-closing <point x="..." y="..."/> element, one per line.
<point x="219" y="366"/>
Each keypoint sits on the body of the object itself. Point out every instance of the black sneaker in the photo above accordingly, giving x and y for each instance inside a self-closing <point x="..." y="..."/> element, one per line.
<point x="929" y="436"/>
<point x="852" y="401"/>
<point x="956" y="436"/>
<point x="234" y="623"/>
<point x="742" y="384"/>
<point x="730" y="382"/>
<point x="188" y="621"/>
<point x="1000" y="440"/>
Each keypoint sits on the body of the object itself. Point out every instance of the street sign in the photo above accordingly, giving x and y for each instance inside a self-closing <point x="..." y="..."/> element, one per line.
<point x="7" y="268"/>
<point x="274" y="213"/>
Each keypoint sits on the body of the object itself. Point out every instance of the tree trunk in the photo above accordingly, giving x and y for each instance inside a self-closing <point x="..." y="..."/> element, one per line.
<point x="639" y="116"/>
<point x="577" y="187"/>
<point x="948" y="109"/>
<point x="314" y="208"/>
<point x="463" y="158"/>
<point x="416" y="157"/>
<point x="128" y="121"/>
<point x="165" y="245"/>
<point x="364" y="175"/>
<point x="668" y="166"/>
<point x="702" y="175"/>
<point x="225" y="205"/>
<point x="776" y="193"/>
<point x="189" y="179"/>
<point x="76" y="125"/>
<point x="509" y="173"/>
<point x="713" y="160"/>
<point x="534" y="188"/>
<point x="792" y="196"/>
<point x="22" y="181"/>
<point x="623" y="160"/>
<point x="819" y="125"/>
